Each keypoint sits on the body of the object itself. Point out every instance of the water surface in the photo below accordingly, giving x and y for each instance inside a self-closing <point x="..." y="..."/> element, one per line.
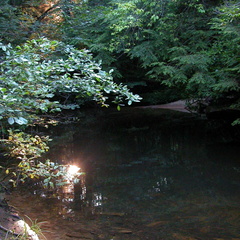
<point x="150" y="174"/>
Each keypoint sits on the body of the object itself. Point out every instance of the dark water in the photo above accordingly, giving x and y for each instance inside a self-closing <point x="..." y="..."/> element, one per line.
<point x="150" y="174"/>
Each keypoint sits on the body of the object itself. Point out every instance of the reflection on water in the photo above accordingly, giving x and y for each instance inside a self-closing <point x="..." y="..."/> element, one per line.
<point x="149" y="175"/>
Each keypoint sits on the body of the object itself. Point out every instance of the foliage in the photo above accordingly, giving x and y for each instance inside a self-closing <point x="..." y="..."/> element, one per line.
<point x="11" y="27"/>
<point x="35" y="226"/>
<point x="26" y="147"/>
<point x="47" y="76"/>
<point x="236" y="122"/>
<point x="44" y="76"/>
<point x="226" y="50"/>
<point x="191" y="45"/>
<point x="23" y="20"/>
<point x="29" y="150"/>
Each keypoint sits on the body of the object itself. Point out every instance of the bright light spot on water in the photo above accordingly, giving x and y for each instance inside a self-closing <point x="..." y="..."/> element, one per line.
<point x="72" y="170"/>
<point x="97" y="199"/>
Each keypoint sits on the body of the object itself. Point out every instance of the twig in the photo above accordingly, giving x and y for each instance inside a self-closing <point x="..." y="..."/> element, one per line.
<point x="10" y="231"/>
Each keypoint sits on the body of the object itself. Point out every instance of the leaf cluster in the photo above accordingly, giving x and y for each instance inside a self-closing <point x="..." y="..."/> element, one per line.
<point x="29" y="151"/>
<point x="47" y="76"/>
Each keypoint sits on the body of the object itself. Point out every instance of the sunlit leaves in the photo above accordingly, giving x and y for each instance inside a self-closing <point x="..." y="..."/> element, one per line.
<point x="28" y="149"/>
<point x="36" y="72"/>
<point x="18" y="120"/>
<point x="11" y="120"/>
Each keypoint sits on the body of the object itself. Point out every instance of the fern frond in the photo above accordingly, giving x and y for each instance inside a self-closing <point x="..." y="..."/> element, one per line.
<point x="193" y="62"/>
<point x="227" y="86"/>
<point x="177" y="51"/>
<point x="145" y="52"/>
<point x="161" y="69"/>
<point x="201" y="78"/>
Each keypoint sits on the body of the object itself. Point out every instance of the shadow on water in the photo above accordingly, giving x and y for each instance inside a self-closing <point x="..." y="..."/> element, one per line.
<point x="150" y="174"/>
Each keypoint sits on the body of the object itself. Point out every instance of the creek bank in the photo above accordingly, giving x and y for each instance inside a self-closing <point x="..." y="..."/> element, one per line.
<point x="179" y="105"/>
<point x="11" y="224"/>
<point x="211" y="112"/>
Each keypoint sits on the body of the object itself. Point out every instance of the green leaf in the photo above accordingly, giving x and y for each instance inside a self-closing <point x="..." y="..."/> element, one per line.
<point x="11" y="120"/>
<point x="51" y="184"/>
<point x="4" y="48"/>
<point x="3" y="90"/>
<point x="21" y="120"/>
<point x="129" y="102"/>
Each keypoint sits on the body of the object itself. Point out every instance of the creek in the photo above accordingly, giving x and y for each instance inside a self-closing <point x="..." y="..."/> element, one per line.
<point x="150" y="174"/>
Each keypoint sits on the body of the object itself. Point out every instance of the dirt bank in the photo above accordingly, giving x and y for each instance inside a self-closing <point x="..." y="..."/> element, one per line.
<point x="176" y="106"/>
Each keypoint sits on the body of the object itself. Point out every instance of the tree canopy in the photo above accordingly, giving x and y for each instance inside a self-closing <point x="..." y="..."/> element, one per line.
<point x="191" y="46"/>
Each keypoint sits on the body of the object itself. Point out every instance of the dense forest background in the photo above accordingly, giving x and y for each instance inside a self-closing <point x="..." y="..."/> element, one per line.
<point x="60" y="54"/>
<point x="164" y="50"/>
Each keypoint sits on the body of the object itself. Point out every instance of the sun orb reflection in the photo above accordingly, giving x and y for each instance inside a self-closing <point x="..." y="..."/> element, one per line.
<point x="73" y="172"/>
<point x="72" y="169"/>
